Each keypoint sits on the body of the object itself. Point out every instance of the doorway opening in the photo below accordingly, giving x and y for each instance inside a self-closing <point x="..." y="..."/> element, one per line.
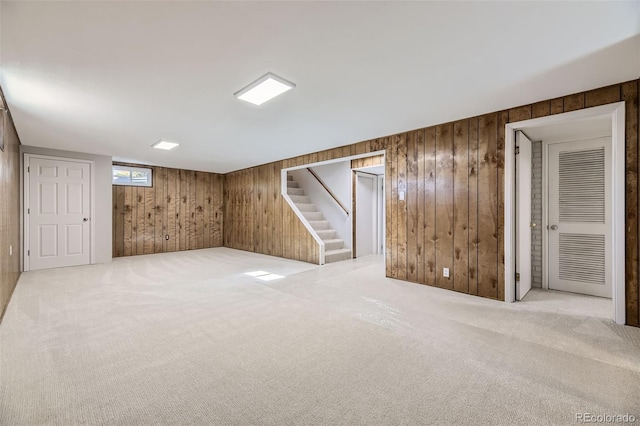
<point x="368" y="211"/>
<point x="323" y="196"/>
<point x="564" y="212"/>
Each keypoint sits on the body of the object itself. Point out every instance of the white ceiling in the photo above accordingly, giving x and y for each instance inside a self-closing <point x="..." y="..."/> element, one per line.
<point x="374" y="170"/>
<point x="572" y="130"/>
<point x="113" y="77"/>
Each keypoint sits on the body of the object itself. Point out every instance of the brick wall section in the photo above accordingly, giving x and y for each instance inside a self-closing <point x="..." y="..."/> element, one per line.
<point x="536" y="214"/>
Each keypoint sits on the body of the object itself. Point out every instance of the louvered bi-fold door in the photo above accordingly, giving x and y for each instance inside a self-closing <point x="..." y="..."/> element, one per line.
<point x="579" y="232"/>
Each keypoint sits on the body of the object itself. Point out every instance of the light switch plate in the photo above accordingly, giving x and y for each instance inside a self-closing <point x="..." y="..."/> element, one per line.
<point x="445" y="272"/>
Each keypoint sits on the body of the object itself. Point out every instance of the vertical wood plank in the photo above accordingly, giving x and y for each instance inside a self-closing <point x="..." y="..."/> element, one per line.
<point x="444" y="204"/>
<point x="461" y="206"/>
<point x="192" y="210"/>
<point x="487" y="207"/>
<point x="183" y="222"/>
<point x="119" y="216"/>
<point x="200" y="188"/>
<point x="149" y="220"/>
<point x="602" y="96"/>
<point x="158" y="185"/>
<point x="128" y="219"/>
<point x="520" y="114"/>
<point x="421" y="225"/>
<point x="172" y="210"/>
<point x="473" y="205"/>
<point x="541" y="109"/>
<point x="275" y="232"/>
<point x="632" y="259"/>
<point x="430" y="230"/>
<point x="503" y="118"/>
<point x="218" y="213"/>
<point x="140" y="221"/>
<point x="391" y="197"/>
<point x="556" y="105"/>
<point x="412" y="206"/>
<point x="114" y="214"/>
<point x="401" y="272"/>
<point x="573" y="102"/>
<point x="207" y="203"/>
<point x="271" y="180"/>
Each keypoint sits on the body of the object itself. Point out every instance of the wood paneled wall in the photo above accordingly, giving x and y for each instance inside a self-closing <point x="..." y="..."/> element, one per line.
<point x="258" y="219"/>
<point x="374" y="160"/>
<point x="453" y="212"/>
<point x="9" y="208"/>
<point x="184" y="205"/>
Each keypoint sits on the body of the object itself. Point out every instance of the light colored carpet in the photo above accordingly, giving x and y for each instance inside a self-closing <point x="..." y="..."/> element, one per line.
<point x="187" y="338"/>
<point x="571" y="303"/>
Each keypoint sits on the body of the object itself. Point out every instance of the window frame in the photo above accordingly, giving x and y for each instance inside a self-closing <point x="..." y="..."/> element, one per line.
<point x="147" y="170"/>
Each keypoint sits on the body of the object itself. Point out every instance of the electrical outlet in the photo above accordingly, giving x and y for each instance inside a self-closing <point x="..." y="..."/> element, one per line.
<point x="166" y="237"/>
<point x="445" y="272"/>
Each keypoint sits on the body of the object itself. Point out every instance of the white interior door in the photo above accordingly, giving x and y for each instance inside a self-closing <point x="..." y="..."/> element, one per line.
<point x="366" y="214"/>
<point x="523" y="215"/>
<point x="58" y="213"/>
<point x="579" y="212"/>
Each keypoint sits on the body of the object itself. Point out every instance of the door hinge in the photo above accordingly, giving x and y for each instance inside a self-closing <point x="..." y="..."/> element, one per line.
<point x="28" y="211"/>
<point x="28" y="252"/>
<point x="517" y="276"/>
<point x="517" y="150"/>
<point x="29" y="169"/>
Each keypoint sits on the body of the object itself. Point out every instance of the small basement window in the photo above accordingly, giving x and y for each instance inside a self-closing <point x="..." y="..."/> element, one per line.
<point x="132" y="176"/>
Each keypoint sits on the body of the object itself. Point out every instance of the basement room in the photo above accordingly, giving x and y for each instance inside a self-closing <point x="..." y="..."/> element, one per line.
<point x="319" y="213"/>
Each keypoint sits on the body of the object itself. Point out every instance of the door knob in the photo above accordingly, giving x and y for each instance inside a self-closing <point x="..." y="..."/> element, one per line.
<point x="85" y="219"/>
<point x="554" y="227"/>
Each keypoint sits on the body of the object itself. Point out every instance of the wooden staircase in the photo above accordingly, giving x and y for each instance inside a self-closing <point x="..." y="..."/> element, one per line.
<point x="334" y="250"/>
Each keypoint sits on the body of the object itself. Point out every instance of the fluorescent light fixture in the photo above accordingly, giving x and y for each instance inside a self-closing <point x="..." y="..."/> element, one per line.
<point x="263" y="89"/>
<point x="164" y="145"/>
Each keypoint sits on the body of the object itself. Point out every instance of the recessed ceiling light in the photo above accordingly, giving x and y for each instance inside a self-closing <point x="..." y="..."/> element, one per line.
<point x="263" y="89"/>
<point x="164" y="145"/>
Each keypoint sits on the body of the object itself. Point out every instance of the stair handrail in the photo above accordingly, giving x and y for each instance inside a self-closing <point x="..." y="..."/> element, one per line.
<point x="328" y="191"/>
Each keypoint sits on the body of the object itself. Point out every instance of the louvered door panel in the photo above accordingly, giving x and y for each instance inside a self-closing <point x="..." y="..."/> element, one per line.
<point x="579" y="234"/>
<point x="582" y="258"/>
<point x="581" y="186"/>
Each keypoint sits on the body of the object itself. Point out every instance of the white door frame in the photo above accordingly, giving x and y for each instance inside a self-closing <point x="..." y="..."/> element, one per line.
<point x="25" y="208"/>
<point x="616" y="112"/>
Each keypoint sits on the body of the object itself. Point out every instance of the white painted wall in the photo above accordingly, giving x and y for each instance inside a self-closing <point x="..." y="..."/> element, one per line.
<point x="366" y="215"/>
<point x="337" y="176"/>
<point x="103" y="196"/>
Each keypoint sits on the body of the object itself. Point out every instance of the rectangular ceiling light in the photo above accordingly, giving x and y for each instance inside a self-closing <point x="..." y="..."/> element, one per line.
<point x="164" y="145"/>
<point x="265" y="88"/>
